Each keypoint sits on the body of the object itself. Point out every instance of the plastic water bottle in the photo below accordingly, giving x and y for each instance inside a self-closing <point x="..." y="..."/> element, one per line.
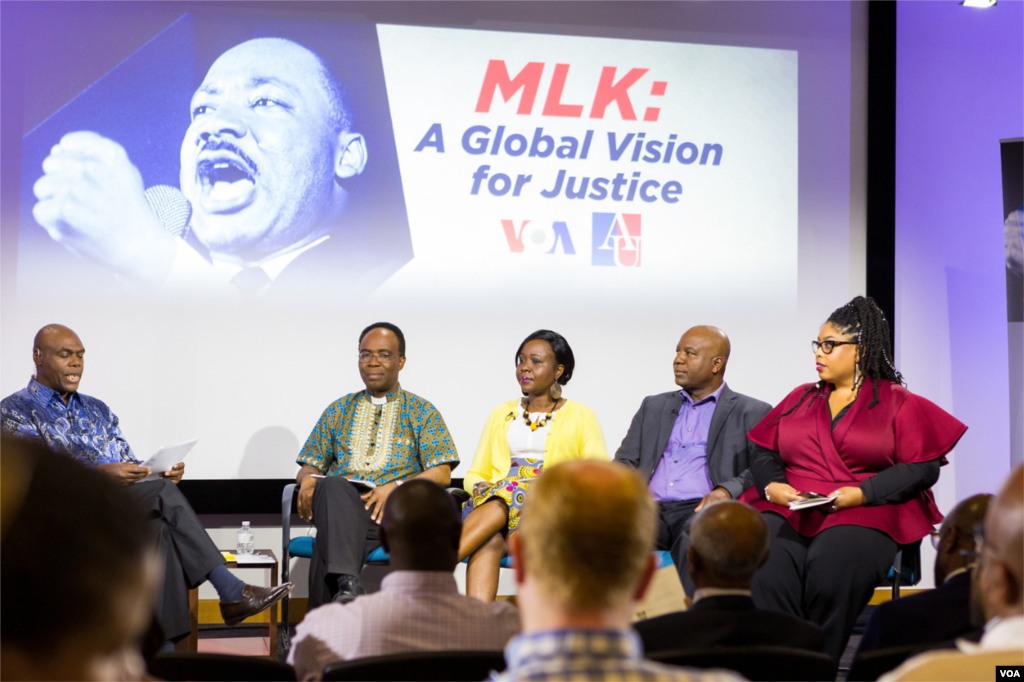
<point x="244" y="544"/>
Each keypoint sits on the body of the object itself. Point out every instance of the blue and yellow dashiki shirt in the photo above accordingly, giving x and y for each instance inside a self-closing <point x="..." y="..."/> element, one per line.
<point x="380" y="443"/>
<point x="85" y="428"/>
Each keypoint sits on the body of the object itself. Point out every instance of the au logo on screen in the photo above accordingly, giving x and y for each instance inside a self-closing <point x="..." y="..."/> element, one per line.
<point x="615" y="238"/>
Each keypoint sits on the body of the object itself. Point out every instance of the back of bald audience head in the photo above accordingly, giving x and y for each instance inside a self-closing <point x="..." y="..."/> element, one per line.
<point x="78" y="571"/>
<point x="1000" y="571"/>
<point x="421" y="527"/>
<point x="957" y="535"/>
<point x="728" y="544"/>
<point x="587" y="532"/>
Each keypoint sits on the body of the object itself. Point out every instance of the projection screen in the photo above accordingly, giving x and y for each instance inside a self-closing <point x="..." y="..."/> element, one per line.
<point x="616" y="172"/>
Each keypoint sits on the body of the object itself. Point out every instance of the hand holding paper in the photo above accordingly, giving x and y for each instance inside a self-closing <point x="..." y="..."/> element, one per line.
<point x="165" y="461"/>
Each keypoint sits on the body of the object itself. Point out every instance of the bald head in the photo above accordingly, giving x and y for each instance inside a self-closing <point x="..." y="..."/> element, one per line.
<point x="716" y="339"/>
<point x="728" y="543"/>
<point x="1002" y="562"/>
<point x="587" y="531"/>
<point x="701" y="357"/>
<point x="421" y="527"/>
<point x="50" y="333"/>
<point x="59" y="357"/>
<point x="957" y="534"/>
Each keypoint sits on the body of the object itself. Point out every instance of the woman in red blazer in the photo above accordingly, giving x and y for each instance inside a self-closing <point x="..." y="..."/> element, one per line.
<point x="857" y="435"/>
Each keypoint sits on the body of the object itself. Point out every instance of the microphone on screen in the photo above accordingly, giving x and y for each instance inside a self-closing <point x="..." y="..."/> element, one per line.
<point x="171" y="207"/>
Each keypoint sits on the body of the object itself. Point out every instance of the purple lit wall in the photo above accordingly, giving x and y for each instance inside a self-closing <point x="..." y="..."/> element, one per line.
<point x="960" y="89"/>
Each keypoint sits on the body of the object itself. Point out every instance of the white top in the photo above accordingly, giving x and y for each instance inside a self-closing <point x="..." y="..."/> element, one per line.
<point x="522" y="440"/>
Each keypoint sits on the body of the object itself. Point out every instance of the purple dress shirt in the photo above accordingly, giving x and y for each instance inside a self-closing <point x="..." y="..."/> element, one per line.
<point x="682" y="473"/>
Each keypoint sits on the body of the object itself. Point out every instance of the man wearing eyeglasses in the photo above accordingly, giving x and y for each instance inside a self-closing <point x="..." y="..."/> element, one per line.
<point x="934" y="618"/>
<point x="691" y="445"/>
<point x="364" y="446"/>
<point x="998" y="592"/>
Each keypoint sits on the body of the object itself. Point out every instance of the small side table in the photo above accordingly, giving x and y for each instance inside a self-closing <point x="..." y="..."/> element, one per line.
<point x="191" y="643"/>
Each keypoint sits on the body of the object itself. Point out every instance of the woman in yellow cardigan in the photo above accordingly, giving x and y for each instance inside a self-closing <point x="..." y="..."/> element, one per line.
<point x="519" y="439"/>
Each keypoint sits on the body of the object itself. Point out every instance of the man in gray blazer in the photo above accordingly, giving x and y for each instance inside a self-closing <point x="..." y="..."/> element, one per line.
<point x="691" y="445"/>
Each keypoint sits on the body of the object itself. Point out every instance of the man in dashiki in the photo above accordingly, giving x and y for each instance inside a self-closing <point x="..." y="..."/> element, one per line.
<point x="364" y="446"/>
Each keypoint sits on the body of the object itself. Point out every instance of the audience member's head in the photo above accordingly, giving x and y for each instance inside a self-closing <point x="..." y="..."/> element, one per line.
<point x="421" y="527"/>
<point x="15" y="473"/>
<point x="78" y="573"/>
<point x="998" y="586"/>
<point x="583" y="552"/>
<point x="956" y="535"/>
<point x="728" y="543"/>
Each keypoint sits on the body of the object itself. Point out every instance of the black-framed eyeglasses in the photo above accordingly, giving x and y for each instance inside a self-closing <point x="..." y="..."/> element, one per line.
<point x="829" y="345"/>
<point x="383" y="357"/>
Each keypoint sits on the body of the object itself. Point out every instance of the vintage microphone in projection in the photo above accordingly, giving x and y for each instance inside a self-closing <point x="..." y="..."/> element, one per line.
<point x="171" y="207"/>
<point x="175" y="212"/>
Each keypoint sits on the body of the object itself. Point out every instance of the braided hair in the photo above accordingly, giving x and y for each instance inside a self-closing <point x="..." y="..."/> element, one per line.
<point x="862" y="317"/>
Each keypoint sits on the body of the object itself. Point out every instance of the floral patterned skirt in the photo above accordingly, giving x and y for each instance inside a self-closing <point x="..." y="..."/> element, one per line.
<point x="512" y="489"/>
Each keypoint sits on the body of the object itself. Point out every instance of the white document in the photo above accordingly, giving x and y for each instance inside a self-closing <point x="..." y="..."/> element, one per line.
<point x="166" y="457"/>
<point x="811" y="502"/>
<point x="250" y="558"/>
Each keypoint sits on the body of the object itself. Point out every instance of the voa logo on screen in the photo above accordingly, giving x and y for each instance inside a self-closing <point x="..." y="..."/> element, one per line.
<point x="615" y="238"/>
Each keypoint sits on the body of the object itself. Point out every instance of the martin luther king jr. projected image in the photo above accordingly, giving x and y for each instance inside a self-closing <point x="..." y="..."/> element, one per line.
<point x="270" y="166"/>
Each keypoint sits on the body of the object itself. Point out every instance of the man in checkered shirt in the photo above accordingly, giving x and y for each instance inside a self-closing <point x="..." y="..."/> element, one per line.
<point x="583" y="557"/>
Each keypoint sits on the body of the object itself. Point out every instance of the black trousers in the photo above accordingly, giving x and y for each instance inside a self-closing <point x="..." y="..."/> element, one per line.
<point x="189" y="553"/>
<point x="827" y="579"/>
<point x="674" y="519"/>
<point x="345" y="535"/>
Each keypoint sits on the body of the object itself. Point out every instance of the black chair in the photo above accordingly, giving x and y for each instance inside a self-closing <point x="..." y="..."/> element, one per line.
<point x="871" y="665"/>
<point x="422" y="666"/>
<point x="756" y="663"/>
<point x="176" y="667"/>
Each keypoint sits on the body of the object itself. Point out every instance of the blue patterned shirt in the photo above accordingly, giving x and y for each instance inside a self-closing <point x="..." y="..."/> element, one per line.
<point x="380" y="443"/>
<point x="585" y="655"/>
<point x="84" y="428"/>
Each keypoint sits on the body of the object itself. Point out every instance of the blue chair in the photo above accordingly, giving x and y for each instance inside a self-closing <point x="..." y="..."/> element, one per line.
<point x="301" y="547"/>
<point x="906" y="567"/>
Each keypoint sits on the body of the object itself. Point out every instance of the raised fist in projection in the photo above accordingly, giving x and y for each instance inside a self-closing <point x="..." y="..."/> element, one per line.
<point x="91" y="199"/>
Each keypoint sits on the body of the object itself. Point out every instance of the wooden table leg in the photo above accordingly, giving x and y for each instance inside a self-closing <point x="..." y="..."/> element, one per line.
<point x="191" y="642"/>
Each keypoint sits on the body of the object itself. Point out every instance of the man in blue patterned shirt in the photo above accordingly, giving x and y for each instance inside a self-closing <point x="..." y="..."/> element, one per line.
<point x="50" y="409"/>
<point x="381" y="436"/>
<point x="583" y="556"/>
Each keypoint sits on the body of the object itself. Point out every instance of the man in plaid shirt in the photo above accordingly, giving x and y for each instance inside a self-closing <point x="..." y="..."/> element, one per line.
<point x="583" y="556"/>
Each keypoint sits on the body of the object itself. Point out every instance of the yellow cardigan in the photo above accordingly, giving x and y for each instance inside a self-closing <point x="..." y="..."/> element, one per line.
<point x="573" y="434"/>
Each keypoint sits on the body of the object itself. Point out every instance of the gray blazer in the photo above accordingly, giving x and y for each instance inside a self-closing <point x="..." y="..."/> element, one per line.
<point x="729" y="451"/>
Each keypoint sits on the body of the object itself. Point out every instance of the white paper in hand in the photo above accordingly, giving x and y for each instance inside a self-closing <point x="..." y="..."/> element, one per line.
<point x="166" y="457"/>
<point x="811" y="502"/>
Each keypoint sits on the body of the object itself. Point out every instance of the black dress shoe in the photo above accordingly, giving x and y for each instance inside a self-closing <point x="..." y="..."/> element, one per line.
<point x="348" y="589"/>
<point x="255" y="600"/>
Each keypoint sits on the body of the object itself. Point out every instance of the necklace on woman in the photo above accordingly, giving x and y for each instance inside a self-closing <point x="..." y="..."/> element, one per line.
<point x="534" y="425"/>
